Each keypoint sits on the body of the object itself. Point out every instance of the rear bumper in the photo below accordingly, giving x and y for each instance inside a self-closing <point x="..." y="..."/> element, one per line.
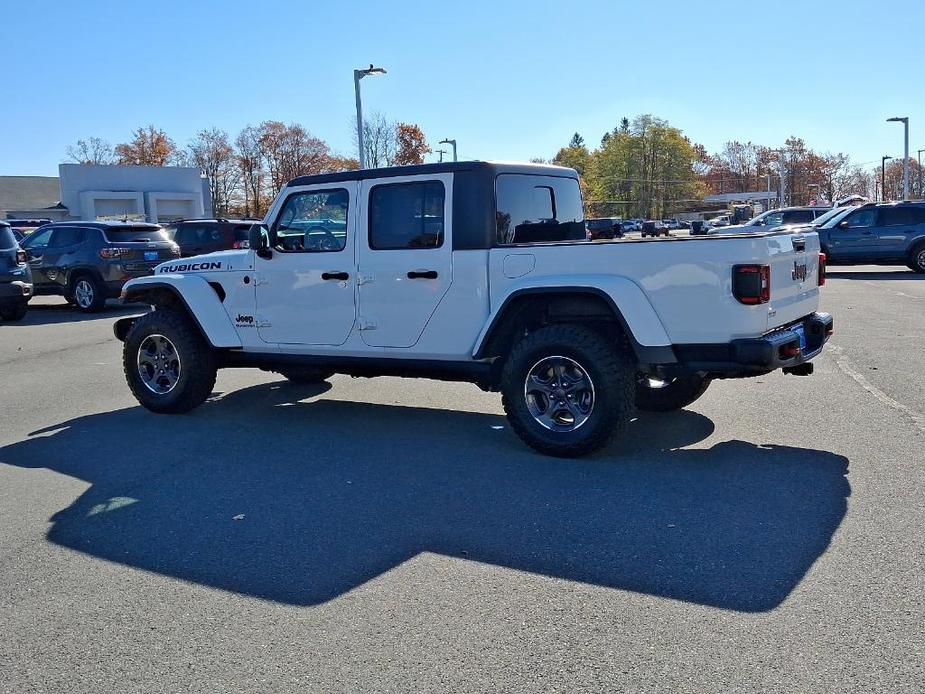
<point x="16" y="292"/>
<point x="776" y="350"/>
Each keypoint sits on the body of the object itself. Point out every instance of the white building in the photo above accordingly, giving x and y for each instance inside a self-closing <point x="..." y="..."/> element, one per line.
<point x="152" y="193"/>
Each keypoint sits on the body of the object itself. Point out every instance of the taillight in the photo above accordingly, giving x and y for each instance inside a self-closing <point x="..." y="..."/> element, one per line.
<point x="241" y="244"/>
<point x="115" y="252"/>
<point x="21" y="257"/>
<point x="821" y="269"/>
<point x="751" y="284"/>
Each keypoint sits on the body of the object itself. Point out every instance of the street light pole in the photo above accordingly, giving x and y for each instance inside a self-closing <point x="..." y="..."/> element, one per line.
<point x="357" y="76"/>
<point x="449" y="142"/>
<point x="883" y="160"/>
<point x="905" y="121"/>
<point x="441" y="152"/>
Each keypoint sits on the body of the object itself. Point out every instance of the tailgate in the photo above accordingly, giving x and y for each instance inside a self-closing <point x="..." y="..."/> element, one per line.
<point x="794" y="277"/>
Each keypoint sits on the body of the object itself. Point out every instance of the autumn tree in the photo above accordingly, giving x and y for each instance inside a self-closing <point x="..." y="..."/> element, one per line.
<point x="93" y="150"/>
<point x="575" y="155"/>
<point x="149" y="146"/>
<point x="290" y="151"/>
<point x="249" y="159"/>
<point x="379" y="142"/>
<point x="410" y="145"/>
<point x="213" y="154"/>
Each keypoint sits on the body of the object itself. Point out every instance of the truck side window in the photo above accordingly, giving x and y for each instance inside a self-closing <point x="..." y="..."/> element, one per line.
<point x="536" y="209"/>
<point x="312" y="222"/>
<point x="406" y="215"/>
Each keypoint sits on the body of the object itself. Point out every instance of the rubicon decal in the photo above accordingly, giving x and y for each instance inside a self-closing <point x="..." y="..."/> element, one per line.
<point x="192" y="267"/>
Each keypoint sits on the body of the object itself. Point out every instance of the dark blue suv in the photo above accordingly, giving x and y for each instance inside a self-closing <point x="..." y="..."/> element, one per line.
<point x="876" y="233"/>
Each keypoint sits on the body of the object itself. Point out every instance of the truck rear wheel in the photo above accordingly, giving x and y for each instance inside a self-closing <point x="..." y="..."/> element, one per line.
<point x="667" y="396"/>
<point x="169" y="366"/>
<point x="566" y="390"/>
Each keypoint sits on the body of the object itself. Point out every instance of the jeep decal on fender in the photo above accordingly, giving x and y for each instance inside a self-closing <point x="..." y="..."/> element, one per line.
<point x="192" y="267"/>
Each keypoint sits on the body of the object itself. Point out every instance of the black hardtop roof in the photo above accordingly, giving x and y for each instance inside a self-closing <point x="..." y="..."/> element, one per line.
<point x="96" y="224"/>
<point x="496" y="167"/>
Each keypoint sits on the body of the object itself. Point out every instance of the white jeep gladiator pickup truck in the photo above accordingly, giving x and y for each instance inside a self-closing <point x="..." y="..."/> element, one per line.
<point x="479" y="272"/>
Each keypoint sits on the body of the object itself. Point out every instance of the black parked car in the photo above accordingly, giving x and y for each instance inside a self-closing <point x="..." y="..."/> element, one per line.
<point x="603" y="228"/>
<point x="15" y="277"/>
<point x="88" y="262"/>
<point x="198" y="236"/>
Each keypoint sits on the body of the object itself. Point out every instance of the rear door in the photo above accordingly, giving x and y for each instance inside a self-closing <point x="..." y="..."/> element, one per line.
<point x="62" y="253"/>
<point x="405" y="256"/>
<point x="895" y="227"/>
<point x="305" y="289"/>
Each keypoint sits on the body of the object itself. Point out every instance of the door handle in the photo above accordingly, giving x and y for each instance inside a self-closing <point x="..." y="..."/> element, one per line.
<point x="422" y="275"/>
<point x="341" y="276"/>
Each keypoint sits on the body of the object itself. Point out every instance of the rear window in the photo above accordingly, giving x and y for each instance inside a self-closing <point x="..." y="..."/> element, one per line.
<point x="798" y="216"/>
<point x="537" y="209"/>
<point x="136" y="234"/>
<point x="7" y="240"/>
<point x="241" y="231"/>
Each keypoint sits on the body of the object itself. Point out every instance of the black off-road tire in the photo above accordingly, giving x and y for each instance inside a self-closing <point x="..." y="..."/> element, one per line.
<point x="197" y="362"/>
<point x="14" y="313"/>
<point x="611" y="370"/>
<point x="917" y="258"/>
<point x="98" y="294"/>
<point x="675" y="395"/>
<point x="305" y="374"/>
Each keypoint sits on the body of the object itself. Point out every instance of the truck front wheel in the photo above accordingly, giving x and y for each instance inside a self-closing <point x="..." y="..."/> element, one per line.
<point x="169" y="366"/>
<point x="666" y="396"/>
<point x="566" y="390"/>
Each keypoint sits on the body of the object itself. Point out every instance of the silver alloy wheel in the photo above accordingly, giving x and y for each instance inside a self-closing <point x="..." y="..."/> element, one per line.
<point x="83" y="293"/>
<point x="559" y="393"/>
<point x="158" y="364"/>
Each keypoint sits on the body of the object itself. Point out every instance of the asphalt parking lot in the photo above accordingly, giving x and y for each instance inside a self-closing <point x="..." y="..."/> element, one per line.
<point x="389" y="535"/>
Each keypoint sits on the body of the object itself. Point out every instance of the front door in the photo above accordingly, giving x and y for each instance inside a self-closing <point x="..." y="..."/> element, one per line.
<point x="854" y="238"/>
<point x="405" y="256"/>
<point x="306" y="288"/>
<point x="35" y="245"/>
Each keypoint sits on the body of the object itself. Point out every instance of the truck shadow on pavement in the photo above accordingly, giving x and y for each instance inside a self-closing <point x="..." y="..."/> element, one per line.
<point x="334" y="493"/>
<point x="904" y="274"/>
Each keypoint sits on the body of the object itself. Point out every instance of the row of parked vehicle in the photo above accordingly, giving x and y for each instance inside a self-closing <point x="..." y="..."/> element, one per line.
<point x="89" y="262"/>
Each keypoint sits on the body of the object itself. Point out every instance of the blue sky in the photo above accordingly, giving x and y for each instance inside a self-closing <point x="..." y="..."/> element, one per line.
<point x="508" y="80"/>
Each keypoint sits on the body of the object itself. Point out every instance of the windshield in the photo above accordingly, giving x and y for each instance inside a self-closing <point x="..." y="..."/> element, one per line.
<point x="830" y="219"/>
<point x="759" y="220"/>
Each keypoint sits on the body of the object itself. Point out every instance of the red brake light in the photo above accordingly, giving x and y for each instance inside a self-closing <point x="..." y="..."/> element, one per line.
<point x="241" y="244"/>
<point x="751" y="284"/>
<point x="114" y="252"/>
<point x="822" y="260"/>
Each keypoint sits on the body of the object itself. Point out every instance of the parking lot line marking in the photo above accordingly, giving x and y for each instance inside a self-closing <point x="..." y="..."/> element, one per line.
<point x="843" y="363"/>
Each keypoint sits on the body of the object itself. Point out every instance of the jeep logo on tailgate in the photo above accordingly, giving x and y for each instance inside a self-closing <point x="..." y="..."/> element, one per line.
<point x="192" y="267"/>
<point x="799" y="272"/>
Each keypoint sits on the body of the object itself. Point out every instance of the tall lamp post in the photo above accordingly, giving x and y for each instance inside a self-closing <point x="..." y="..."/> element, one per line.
<point x="905" y="121"/>
<point x="883" y="161"/>
<point x="357" y="76"/>
<point x="449" y="142"/>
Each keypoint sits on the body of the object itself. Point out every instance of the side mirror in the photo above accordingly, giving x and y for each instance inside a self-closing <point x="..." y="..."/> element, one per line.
<point x="258" y="238"/>
<point x="843" y="224"/>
